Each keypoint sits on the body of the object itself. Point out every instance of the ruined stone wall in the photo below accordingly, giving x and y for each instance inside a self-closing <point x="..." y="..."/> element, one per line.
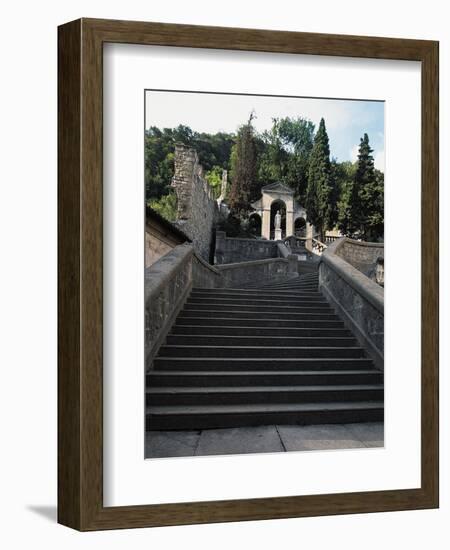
<point x="197" y="208"/>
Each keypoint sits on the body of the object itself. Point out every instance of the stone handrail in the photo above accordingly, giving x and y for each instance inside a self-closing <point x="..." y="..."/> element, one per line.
<point x="204" y="274"/>
<point x="167" y="284"/>
<point x="283" y="249"/>
<point x="358" y="299"/>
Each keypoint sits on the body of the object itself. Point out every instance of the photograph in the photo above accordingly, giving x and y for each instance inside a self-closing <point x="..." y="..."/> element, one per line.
<point x="264" y="273"/>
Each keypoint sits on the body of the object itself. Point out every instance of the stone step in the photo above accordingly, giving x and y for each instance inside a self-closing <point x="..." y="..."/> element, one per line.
<point x="205" y="379"/>
<point x="230" y="416"/>
<point x="275" y="341"/>
<point x="313" y="288"/>
<point x="264" y="314"/>
<point x="211" y="330"/>
<point x="268" y="301"/>
<point x="175" y="396"/>
<point x="285" y="322"/>
<point x="221" y="363"/>
<point x="251" y="292"/>
<point x="292" y="283"/>
<point x="264" y="352"/>
<point x="252" y="305"/>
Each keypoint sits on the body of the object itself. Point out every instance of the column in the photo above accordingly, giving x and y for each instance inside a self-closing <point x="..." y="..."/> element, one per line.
<point x="265" y="229"/>
<point x="289" y="222"/>
<point x="309" y="235"/>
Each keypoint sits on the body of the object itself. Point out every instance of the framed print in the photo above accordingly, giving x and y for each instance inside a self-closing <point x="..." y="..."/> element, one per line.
<point x="229" y="200"/>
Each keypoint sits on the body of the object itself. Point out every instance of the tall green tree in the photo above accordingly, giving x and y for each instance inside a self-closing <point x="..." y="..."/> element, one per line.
<point x="319" y="187"/>
<point x="243" y="169"/>
<point x="362" y="207"/>
<point x="297" y="137"/>
<point x="284" y="153"/>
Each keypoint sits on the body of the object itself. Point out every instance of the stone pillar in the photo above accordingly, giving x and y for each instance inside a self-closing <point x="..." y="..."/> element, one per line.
<point x="289" y="223"/>
<point x="278" y="234"/>
<point x="309" y="234"/>
<point x="265" y="229"/>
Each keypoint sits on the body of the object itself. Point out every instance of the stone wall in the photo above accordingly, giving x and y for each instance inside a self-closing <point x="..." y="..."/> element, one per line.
<point x="196" y="206"/>
<point x="358" y="300"/>
<point x="232" y="250"/>
<point x="155" y="248"/>
<point x="205" y="275"/>
<point x="360" y="254"/>
<point x="241" y="274"/>
<point x="161" y="236"/>
<point x="167" y="285"/>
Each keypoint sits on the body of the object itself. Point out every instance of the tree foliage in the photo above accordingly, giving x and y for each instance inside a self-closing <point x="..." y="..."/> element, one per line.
<point x="361" y="206"/>
<point x="320" y="183"/>
<point x="343" y="194"/>
<point x="213" y="151"/>
<point x="284" y="153"/>
<point x="166" y="206"/>
<point x="243" y="169"/>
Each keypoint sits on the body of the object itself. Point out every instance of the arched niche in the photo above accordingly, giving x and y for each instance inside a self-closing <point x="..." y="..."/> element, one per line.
<point x="277" y="205"/>
<point x="255" y="224"/>
<point x="300" y="226"/>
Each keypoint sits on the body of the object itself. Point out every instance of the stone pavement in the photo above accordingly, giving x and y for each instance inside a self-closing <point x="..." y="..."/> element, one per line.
<point x="263" y="439"/>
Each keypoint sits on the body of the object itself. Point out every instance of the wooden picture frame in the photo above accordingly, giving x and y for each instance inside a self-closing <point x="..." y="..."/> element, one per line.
<point x="80" y="272"/>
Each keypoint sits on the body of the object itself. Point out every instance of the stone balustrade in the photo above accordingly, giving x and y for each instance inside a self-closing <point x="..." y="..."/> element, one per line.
<point x="358" y="300"/>
<point x="167" y="285"/>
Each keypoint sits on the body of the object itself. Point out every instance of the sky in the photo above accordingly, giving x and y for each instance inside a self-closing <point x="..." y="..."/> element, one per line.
<point x="346" y="120"/>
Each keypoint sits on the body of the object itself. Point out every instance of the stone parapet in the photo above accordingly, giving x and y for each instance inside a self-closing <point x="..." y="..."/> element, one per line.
<point x="360" y="254"/>
<point x="242" y="273"/>
<point x="167" y="285"/>
<point x="358" y="300"/>
<point x="232" y="250"/>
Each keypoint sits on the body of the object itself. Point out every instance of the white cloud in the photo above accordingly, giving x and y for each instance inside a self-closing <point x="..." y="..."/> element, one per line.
<point x="379" y="160"/>
<point x="354" y="153"/>
<point x="215" y="112"/>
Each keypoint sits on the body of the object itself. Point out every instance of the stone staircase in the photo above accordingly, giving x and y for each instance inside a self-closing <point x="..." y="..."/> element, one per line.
<point x="266" y="354"/>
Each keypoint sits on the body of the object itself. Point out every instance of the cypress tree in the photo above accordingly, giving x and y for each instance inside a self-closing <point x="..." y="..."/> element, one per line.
<point x="366" y="197"/>
<point x="243" y="169"/>
<point x="319" y="181"/>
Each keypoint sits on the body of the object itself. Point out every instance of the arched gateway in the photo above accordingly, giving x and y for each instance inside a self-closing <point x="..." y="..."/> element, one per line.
<point x="279" y="193"/>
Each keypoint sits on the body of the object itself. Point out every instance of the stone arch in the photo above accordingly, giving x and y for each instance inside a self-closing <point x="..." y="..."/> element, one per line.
<point x="269" y="194"/>
<point x="255" y="224"/>
<point x="276" y="205"/>
<point x="300" y="226"/>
